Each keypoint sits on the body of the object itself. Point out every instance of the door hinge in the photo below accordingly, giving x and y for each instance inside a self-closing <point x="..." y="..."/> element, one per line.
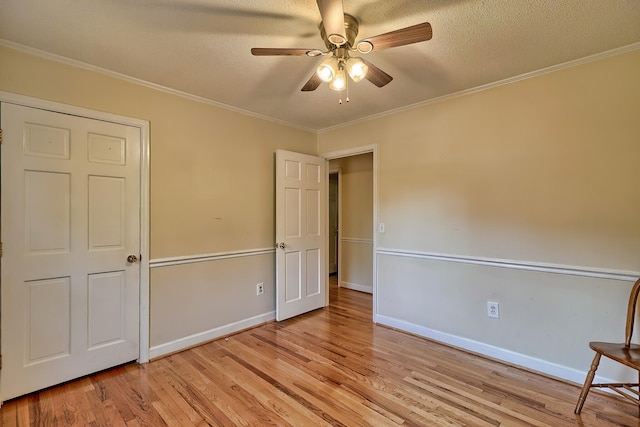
<point x="0" y="253"/>
<point x="0" y="136"/>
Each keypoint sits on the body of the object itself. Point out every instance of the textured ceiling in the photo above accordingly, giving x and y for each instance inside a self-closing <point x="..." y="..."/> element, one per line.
<point x="202" y="47"/>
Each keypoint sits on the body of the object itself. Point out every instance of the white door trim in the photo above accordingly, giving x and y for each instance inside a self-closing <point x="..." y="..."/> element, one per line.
<point x="143" y="125"/>
<point x="354" y="152"/>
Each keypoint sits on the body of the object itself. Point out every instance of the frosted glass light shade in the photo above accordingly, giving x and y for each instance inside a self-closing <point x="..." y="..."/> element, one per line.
<point x="339" y="81"/>
<point x="327" y="69"/>
<point x="357" y="69"/>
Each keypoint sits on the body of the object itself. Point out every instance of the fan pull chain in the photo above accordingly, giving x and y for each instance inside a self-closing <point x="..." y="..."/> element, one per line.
<point x="347" y="80"/>
<point x="347" y="85"/>
<point x="340" y="100"/>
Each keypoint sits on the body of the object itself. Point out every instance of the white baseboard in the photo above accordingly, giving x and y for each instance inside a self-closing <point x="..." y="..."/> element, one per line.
<point x="212" y="334"/>
<point x="538" y="365"/>
<point x="357" y="287"/>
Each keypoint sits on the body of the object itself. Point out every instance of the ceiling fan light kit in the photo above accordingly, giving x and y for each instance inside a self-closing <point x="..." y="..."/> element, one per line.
<point x="333" y="68"/>
<point x="342" y="30"/>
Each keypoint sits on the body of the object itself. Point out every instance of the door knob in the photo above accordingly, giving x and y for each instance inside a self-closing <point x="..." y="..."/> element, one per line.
<point x="131" y="259"/>
<point x="281" y="245"/>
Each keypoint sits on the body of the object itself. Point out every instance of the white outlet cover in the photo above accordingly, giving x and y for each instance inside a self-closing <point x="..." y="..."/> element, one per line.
<point x="493" y="309"/>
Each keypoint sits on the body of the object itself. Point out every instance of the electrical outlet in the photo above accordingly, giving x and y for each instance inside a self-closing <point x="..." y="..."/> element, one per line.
<point x="493" y="309"/>
<point x="260" y="289"/>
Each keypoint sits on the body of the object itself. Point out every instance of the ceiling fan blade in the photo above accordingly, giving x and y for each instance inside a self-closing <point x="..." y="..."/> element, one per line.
<point x="414" y="34"/>
<point x="376" y="76"/>
<point x="269" y="51"/>
<point x="332" y="14"/>
<point x="312" y="84"/>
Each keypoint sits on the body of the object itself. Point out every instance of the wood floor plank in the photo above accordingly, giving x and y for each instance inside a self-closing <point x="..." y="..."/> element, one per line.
<point x="316" y="397"/>
<point x="74" y="408"/>
<point x="280" y="402"/>
<point x="330" y="367"/>
<point x="177" y="409"/>
<point x="210" y="401"/>
<point x="9" y="415"/>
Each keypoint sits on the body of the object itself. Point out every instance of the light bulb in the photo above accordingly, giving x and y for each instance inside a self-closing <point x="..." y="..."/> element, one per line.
<point x="339" y="81"/>
<point x="327" y="69"/>
<point x="357" y="69"/>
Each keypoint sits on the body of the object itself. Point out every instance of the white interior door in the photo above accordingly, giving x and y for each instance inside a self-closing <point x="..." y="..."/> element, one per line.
<point x="70" y="218"/>
<point x="301" y="266"/>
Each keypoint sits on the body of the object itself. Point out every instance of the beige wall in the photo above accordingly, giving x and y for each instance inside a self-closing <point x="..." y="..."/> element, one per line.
<point x="536" y="172"/>
<point x="541" y="171"/>
<point x="356" y="260"/>
<point x="212" y="190"/>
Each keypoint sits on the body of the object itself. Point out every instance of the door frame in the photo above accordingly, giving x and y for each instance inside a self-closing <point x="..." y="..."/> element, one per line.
<point x="143" y="125"/>
<point x="349" y="152"/>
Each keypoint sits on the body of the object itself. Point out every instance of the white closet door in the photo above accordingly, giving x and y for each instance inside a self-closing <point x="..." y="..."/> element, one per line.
<point x="70" y="220"/>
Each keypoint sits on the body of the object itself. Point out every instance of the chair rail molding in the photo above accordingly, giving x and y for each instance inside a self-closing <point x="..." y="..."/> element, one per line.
<point x="357" y="240"/>
<point x="191" y="259"/>
<point x="600" y="273"/>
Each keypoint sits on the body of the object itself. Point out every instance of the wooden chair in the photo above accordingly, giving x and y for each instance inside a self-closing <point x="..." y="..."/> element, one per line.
<point x="626" y="353"/>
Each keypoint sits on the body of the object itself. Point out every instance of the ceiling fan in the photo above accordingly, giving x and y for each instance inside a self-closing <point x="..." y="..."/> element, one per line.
<point x="339" y="31"/>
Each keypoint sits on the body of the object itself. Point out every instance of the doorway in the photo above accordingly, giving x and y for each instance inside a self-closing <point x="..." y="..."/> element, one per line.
<point x="334" y="221"/>
<point x="351" y="220"/>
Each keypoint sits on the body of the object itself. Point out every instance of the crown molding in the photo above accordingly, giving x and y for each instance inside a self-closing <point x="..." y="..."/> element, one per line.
<point x="79" y="64"/>
<point x="83" y="65"/>
<point x="570" y="64"/>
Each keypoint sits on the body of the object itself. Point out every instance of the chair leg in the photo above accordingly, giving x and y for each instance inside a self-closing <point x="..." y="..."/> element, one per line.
<point x="587" y="383"/>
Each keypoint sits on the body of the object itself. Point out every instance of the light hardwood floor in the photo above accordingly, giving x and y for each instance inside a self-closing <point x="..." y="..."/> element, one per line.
<point x="328" y="367"/>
